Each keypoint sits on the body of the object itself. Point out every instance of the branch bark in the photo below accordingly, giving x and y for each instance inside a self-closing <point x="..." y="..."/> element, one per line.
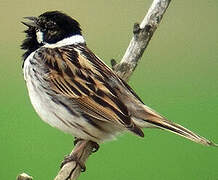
<point x="142" y="34"/>
<point x="71" y="170"/>
<point x="24" y="176"/>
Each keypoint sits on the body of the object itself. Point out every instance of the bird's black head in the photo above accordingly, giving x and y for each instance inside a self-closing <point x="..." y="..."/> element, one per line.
<point x="50" y="27"/>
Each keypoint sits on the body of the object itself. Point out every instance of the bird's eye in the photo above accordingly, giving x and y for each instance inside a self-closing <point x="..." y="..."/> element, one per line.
<point x="51" y="25"/>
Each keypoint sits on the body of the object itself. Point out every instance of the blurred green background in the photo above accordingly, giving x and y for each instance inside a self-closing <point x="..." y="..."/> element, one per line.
<point x="177" y="76"/>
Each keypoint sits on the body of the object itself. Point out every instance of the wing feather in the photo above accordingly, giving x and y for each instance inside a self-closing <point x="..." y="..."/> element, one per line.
<point x="78" y="75"/>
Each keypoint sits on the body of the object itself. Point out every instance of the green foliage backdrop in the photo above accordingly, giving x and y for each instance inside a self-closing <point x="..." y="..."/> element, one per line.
<point x="177" y="76"/>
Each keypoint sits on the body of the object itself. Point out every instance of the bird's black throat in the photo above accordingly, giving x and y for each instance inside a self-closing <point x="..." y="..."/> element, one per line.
<point x="30" y="44"/>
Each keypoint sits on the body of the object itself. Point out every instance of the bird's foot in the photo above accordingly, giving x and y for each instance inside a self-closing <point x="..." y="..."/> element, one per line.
<point x="76" y="140"/>
<point x="94" y="144"/>
<point x="70" y="158"/>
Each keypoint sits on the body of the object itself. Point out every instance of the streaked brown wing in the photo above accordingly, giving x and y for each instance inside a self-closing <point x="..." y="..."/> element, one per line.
<point x="76" y="73"/>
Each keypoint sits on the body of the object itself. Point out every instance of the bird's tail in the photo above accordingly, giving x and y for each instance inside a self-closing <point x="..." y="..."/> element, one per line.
<point x="149" y="118"/>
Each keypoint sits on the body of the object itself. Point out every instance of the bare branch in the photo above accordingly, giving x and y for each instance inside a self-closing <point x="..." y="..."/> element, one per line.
<point x="141" y="37"/>
<point x="71" y="170"/>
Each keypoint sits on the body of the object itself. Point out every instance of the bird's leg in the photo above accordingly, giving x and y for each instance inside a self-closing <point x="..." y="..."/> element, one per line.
<point x="94" y="144"/>
<point x="73" y="157"/>
<point x="76" y="155"/>
<point x="80" y="145"/>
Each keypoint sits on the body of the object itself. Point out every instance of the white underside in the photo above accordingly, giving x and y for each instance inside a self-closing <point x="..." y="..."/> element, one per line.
<point x="49" y="110"/>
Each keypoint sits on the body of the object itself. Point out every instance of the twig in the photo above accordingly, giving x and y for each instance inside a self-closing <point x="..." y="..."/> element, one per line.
<point x="141" y="37"/>
<point x="24" y="176"/>
<point x="71" y="170"/>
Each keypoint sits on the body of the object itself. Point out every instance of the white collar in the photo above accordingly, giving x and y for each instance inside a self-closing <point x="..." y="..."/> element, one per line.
<point x="75" y="39"/>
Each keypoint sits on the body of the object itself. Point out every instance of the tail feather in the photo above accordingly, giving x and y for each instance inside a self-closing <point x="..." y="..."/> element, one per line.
<point x="180" y="130"/>
<point x="149" y="118"/>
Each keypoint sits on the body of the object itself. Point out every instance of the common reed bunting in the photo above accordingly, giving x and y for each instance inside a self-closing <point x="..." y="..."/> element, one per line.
<point x="75" y="91"/>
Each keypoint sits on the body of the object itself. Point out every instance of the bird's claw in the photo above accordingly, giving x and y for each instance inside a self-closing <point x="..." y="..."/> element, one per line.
<point x="95" y="147"/>
<point x="70" y="158"/>
<point x="76" y="140"/>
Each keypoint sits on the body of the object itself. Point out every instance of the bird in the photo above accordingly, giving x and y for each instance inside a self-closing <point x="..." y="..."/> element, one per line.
<point x="73" y="90"/>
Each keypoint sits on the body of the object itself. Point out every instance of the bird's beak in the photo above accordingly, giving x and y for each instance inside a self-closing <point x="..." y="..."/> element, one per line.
<point x="32" y="22"/>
